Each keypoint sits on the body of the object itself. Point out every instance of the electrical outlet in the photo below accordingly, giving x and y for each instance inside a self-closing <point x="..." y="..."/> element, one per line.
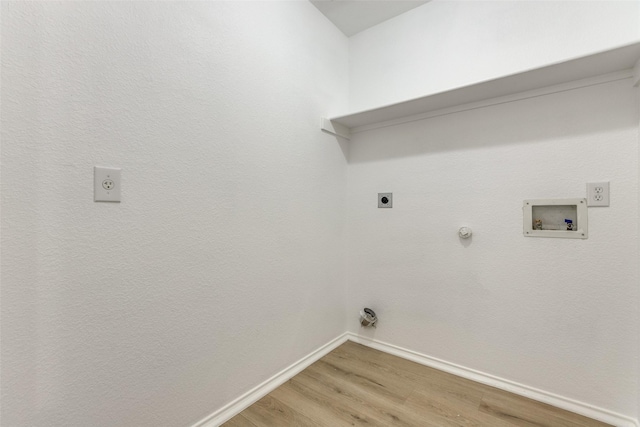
<point x="385" y="200"/>
<point x="598" y="194"/>
<point x="106" y="184"/>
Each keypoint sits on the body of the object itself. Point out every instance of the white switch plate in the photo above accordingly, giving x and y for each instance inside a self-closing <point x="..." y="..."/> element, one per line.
<point x="106" y="184"/>
<point x="598" y="194"/>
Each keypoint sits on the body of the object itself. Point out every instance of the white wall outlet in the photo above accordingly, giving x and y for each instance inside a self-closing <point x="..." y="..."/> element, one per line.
<point x="598" y="194"/>
<point x="106" y="184"/>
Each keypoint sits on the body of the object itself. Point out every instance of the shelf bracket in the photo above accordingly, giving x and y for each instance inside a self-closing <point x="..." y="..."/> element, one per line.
<point x="336" y="129"/>
<point x="636" y="74"/>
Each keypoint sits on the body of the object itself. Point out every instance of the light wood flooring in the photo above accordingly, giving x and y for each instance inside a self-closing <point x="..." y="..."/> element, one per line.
<point x="356" y="385"/>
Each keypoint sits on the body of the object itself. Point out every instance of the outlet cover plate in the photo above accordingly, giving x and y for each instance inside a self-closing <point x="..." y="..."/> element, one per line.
<point x="106" y="184"/>
<point x="598" y="194"/>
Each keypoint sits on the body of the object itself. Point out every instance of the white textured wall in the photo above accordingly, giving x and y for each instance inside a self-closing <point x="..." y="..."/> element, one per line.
<point x="560" y="315"/>
<point x="638" y="351"/>
<point x="203" y="281"/>
<point x="212" y="273"/>
<point x="446" y="44"/>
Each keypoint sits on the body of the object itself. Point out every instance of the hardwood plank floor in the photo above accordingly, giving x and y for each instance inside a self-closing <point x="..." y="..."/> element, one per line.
<point x="356" y="385"/>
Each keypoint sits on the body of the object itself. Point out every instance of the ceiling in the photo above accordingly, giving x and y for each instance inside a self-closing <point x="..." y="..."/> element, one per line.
<point x="351" y="16"/>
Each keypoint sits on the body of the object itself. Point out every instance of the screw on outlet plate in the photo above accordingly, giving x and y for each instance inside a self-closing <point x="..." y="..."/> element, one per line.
<point x="385" y="200"/>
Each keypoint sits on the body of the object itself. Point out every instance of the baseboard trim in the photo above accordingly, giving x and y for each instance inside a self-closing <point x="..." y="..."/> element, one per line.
<point x="501" y="383"/>
<point x="241" y="403"/>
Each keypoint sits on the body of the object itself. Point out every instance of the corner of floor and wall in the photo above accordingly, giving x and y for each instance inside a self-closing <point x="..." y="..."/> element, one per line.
<point x="247" y="241"/>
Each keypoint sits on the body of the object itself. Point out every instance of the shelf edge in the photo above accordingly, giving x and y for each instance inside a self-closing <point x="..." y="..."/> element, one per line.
<point x="333" y="128"/>
<point x="534" y="93"/>
<point x="606" y="62"/>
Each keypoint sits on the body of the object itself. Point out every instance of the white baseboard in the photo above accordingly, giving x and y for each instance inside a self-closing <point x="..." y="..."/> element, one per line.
<point x="503" y="384"/>
<point x="238" y="405"/>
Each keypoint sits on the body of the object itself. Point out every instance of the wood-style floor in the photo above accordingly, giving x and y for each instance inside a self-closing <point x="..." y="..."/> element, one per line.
<point x="356" y="385"/>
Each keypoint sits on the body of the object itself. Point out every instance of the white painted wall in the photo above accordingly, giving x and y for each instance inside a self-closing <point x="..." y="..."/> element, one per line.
<point x="223" y="264"/>
<point x="638" y="351"/>
<point x="559" y="315"/>
<point x="228" y="245"/>
<point x="484" y="305"/>
<point x="446" y="44"/>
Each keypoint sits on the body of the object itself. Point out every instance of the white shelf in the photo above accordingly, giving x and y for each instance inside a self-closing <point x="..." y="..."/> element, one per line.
<point x="591" y="66"/>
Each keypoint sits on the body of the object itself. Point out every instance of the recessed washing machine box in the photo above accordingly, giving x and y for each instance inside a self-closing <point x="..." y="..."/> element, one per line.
<point x="564" y="218"/>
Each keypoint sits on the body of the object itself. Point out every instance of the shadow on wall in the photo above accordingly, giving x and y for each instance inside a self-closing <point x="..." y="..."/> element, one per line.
<point x="553" y="117"/>
<point x="344" y="146"/>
